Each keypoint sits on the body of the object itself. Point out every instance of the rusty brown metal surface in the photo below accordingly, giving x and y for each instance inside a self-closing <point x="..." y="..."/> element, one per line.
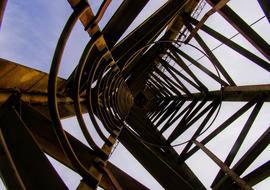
<point x="136" y="90"/>
<point x="242" y="184"/>
<point x="3" y="4"/>
<point x="218" y="6"/>
<point x="14" y="76"/>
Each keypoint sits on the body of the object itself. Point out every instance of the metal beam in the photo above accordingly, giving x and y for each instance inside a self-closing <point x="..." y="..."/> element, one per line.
<point x="41" y="129"/>
<point x="211" y="55"/>
<point x="223" y="126"/>
<point x="241" y="137"/>
<point x="239" y="49"/>
<point x="248" y="158"/>
<point x="157" y="166"/>
<point x="147" y="31"/>
<point x="258" y="175"/>
<point x="218" y="6"/>
<point x="240" y="182"/>
<point x="198" y="131"/>
<point x="172" y="70"/>
<point x="8" y="173"/>
<point x="235" y="93"/>
<point x="178" y="60"/>
<point x="182" y="125"/>
<point x="150" y="134"/>
<point x="3" y="4"/>
<point x="242" y="27"/>
<point x="31" y="164"/>
<point x="202" y="68"/>
<point x="121" y="20"/>
<point x="265" y="5"/>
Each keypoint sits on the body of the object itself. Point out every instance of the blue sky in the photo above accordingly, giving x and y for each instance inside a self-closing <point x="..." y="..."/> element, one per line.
<point x="28" y="36"/>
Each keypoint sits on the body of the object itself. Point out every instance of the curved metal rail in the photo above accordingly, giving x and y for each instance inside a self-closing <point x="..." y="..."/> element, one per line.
<point x="100" y="92"/>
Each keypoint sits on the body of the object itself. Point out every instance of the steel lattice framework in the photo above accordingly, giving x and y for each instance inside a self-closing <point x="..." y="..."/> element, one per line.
<point x="137" y="90"/>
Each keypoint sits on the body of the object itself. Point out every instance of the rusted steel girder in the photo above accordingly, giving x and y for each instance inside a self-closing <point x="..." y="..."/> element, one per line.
<point x="236" y="93"/>
<point x="110" y="100"/>
<point x="242" y="27"/>
<point x="211" y="56"/>
<point x="108" y="108"/>
<point x="154" y="159"/>
<point x="253" y="152"/>
<point x="3" y="4"/>
<point x="149" y="30"/>
<point x="241" y="50"/>
<point x="218" y="6"/>
<point x="33" y="170"/>
<point x="265" y="4"/>
<point x="228" y="161"/>
<point x="258" y="175"/>
<point x="41" y="129"/>
<point x="240" y="182"/>
<point x="167" y="176"/>
<point x="122" y="19"/>
<point x="142" y="65"/>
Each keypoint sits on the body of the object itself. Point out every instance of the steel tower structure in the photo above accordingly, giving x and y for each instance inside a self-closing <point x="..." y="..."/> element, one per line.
<point x="137" y="90"/>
